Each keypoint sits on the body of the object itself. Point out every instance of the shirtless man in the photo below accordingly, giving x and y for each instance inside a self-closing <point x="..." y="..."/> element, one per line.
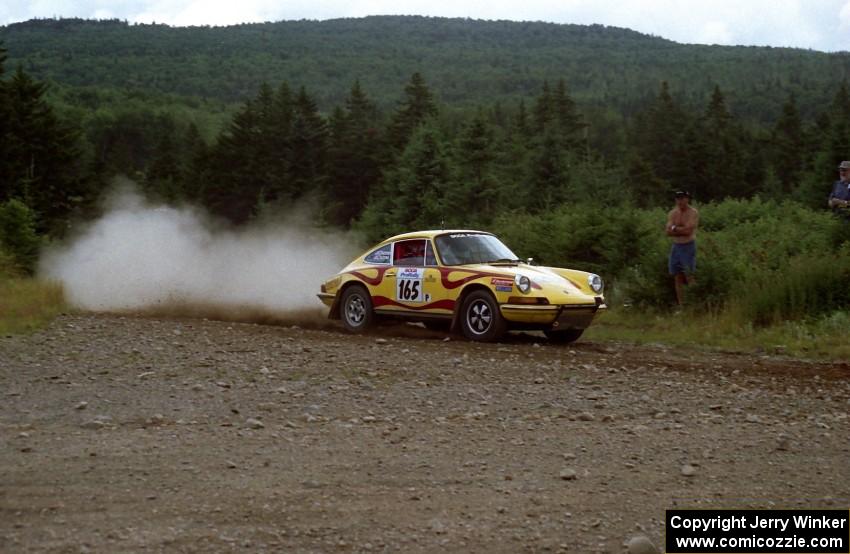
<point x="682" y="222"/>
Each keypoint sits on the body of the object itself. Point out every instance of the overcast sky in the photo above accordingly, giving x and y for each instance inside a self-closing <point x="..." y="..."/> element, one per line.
<point x="817" y="24"/>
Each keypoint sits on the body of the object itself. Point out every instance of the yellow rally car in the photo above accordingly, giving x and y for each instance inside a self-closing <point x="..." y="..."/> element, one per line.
<point x="462" y="279"/>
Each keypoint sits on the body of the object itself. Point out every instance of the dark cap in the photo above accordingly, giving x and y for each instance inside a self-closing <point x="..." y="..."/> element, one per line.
<point x="682" y="193"/>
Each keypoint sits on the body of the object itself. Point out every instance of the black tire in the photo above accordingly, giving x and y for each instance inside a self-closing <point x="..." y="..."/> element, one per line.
<point x="355" y="309"/>
<point x="439" y="325"/>
<point x="480" y="318"/>
<point x="563" y="336"/>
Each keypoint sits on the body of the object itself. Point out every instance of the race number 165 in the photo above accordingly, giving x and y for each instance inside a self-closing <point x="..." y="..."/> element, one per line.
<point x="409" y="290"/>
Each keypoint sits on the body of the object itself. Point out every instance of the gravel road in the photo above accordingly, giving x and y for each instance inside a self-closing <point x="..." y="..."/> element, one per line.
<point x="144" y="434"/>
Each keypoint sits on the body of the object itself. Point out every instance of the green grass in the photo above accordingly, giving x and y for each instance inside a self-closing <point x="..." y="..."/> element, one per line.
<point x="28" y="304"/>
<point x="823" y="337"/>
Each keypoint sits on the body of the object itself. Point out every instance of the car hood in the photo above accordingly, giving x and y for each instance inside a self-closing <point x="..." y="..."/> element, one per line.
<point x="544" y="279"/>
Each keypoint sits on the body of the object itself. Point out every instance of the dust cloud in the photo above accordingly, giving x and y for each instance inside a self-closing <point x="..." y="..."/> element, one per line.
<point x="141" y="257"/>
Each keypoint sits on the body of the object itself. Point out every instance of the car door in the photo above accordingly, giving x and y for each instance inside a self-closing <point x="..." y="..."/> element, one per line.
<point x="415" y="279"/>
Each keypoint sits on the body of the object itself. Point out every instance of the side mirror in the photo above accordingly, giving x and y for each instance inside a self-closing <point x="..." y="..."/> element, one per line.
<point x="529" y="261"/>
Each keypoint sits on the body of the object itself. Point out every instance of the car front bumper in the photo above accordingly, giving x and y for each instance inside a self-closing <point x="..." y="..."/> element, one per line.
<point x="327" y="298"/>
<point x="564" y="316"/>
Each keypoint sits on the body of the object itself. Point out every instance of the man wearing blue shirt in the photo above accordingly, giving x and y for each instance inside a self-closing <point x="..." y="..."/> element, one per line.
<point x="839" y="198"/>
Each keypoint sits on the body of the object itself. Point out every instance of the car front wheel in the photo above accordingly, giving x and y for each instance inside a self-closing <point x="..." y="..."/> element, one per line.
<point x="355" y="309"/>
<point x="480" y="318"/>
<point x="563" y="336"/>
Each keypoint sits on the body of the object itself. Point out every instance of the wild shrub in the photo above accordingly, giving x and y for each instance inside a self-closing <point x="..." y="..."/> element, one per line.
<point x="8" y="266"/>
<point x="807" y="287"/>
<point x="17" y="234"/>
<point x="604" y="240"/>
<point x="738" y="242"/>
<point x="743" y="247"/>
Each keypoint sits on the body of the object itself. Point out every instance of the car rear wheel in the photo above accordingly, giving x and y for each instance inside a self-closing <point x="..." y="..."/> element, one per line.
<point x="355" y="309"/>
<point x="563" y="336"/>
<point x="480" y="318"/>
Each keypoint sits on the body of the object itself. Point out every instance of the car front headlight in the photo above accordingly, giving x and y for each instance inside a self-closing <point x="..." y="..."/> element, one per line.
<point x="595" y="282"/>
<point x="523" y="283"/>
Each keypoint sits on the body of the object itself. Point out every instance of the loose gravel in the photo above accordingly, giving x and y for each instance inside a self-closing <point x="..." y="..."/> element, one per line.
<point x="140" y="434"/>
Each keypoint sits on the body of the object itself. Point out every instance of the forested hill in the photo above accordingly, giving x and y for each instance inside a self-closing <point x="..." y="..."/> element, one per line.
<point x="566" y="140"/>
<point x="466" y="61"/>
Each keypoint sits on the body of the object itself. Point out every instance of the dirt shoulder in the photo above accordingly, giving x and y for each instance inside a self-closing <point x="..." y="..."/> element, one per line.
<point x="125" y="434"/>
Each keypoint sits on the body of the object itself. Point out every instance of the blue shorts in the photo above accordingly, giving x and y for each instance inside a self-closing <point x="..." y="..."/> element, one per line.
<point x="683" y="258"/>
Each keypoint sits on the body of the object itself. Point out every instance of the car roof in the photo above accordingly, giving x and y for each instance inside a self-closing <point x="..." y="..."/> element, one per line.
<point x="431" y="234"/>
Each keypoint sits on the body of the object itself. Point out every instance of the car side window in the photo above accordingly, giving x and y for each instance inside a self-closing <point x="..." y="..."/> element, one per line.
<point x="409" y="252"/>
<point x="430" y="258"/>
<point x="381" y="256"/>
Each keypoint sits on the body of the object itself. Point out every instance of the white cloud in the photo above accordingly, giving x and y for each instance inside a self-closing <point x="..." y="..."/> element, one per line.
<point x="199" y="12"/>
<point x="714" y="32"/>
<point x="821" y="25"/>
<point x="844" y="17"/>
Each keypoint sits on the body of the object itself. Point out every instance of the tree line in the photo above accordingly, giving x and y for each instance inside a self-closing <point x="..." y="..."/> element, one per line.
<point x="425" y="164"/>
<point x="421" y="164"/>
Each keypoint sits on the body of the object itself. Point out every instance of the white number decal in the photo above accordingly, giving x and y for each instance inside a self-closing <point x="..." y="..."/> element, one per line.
<point x="409" y="285"/>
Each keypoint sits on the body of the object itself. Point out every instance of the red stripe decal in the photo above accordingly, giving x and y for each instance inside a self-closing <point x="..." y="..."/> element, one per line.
<point x="444" y="280"/>
<point x="374" y="281"/>
<point x="473" y="275"/>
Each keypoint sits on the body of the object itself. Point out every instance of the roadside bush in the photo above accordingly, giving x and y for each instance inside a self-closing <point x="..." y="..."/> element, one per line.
<point x="808" y="287"/>
<point x="8" y="265"/>
<point x="752" y="255"/>
<point x="17" y="234"/>
<point x="26" y="304"/>
<point x="603" y="240"/>
<point x="739" y="242"/>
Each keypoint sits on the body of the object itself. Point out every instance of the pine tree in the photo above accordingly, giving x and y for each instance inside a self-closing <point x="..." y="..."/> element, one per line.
<point x="521" y="122"/>
<point x="194" y="164"/>
<point x="413" y="190"/>
<point x="5" y="116"/>
<point x="273" y="151"/>
<point x="837" y="144"/>
<point x="549" y="173"/>
<point x="41" y="165"/>
<point x="163" y="173"/>
<point x="18" y="235"/>
<point x="543" y="111"/>
<point x="124" y="142"/>
<point x="273" y="144"/>
<point x="235" y="185"/>
<point x="658" y="138"/>
<point x="647" y="190"/>
<point x="355" y="150"/>
<point x="569" y="122"/>
<point x="475" y="183"/>
<point x="418" y="105"/>
<point x="718" y="152"/>
<point x="277" y="130"/>
<point x="788" y="144"/>
<point x="841" y="102"/>
<point x="308" y="147"/>
<point x="832" y="139"/>
<point x="556" y="111"/>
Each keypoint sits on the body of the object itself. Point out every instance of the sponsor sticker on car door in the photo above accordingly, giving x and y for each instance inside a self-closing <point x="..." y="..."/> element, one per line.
<point x="409" y="284"/>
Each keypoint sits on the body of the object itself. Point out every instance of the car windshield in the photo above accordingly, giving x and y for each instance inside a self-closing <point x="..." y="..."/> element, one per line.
<point x="472" y="248"/>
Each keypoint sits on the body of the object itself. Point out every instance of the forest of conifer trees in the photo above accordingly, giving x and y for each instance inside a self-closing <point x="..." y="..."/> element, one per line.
<point x="541" y="166"/>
